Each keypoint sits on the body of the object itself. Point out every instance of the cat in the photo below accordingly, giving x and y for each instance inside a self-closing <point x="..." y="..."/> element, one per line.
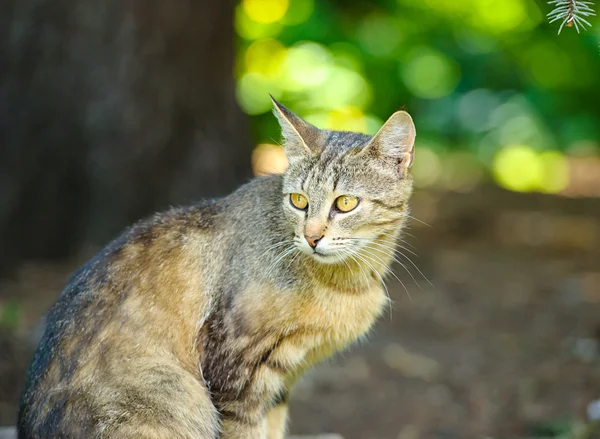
<point x="196" y="323"/>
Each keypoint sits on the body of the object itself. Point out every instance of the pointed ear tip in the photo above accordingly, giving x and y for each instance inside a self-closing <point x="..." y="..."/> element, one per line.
<point x="403" y="118"/>
<point x="278" y="109"/>
<point x="401" y="115"/>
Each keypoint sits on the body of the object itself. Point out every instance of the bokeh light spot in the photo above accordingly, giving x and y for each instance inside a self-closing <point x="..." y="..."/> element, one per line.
<point x="498" y="17"/>
<point x="379" y="35"/>
<point x="427" y="167"/>
<point x="347" y="55"/>
<point x="265" y="11"/>
<point x="343" y="87"/>
<point x="346" y="119"/>
<point x="265" y="56"/>
<point x="447" y="7"/>
<point x="548" y="65"/>
<point x="556" y="172"/>
<point x="306" y="65"/>
<point x="249" y="29"/>
<point x="298" y="12"/>
<point x="268" y="159"/>
<point x="518" y="129"/>
<point x="475" y="109"/>
<point x="486" y="16"/>
<point x="253" y="93"/>
<point x="518" y="168"/>
<point x="430" y="74"/>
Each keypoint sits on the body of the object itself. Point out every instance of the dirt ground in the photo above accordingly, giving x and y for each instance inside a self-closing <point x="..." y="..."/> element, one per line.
<point x="504" y="344"/>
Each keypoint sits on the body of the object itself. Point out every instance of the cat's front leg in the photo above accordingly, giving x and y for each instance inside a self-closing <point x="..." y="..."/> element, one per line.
<point x="277" y="421"/>
<point x="234" y="427"/>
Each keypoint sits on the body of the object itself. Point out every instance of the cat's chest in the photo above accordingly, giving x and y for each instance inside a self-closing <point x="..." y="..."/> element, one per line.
<point x="313" y="325"/>
<point x="340" y="317"/>
<point x="267" y="338"/>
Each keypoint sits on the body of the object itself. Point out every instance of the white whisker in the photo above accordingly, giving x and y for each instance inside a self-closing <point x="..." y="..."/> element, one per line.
<point x="418" y="220"/>
<point x="282" y="256"/>
<point x="391" y="251"/>
<point x="415" y="265"/>
<point x="362" y="258"/>
<point x="289" y="265"/>
<point x="397" y="252"/>
<point x="392" y="272"/>
<point x="353" y="255"/>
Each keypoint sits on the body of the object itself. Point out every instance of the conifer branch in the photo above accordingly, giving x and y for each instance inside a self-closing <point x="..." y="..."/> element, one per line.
<point x="571" y="13"/>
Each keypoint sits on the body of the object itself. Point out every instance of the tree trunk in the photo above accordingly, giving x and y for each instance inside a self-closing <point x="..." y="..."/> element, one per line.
<point x="109" y="110"/>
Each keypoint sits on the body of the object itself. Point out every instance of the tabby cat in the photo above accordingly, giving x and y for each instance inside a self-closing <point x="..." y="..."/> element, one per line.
<point x="196" y="323"/>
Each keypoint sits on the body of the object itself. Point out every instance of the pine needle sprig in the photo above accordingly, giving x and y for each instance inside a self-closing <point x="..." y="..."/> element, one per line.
<point x="571" y="13"/>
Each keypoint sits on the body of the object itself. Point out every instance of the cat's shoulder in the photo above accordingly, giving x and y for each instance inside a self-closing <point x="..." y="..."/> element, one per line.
<point x="262" y="186"/>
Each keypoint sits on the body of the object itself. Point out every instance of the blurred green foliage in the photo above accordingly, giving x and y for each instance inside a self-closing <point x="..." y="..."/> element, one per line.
<point x="479" y="77"/>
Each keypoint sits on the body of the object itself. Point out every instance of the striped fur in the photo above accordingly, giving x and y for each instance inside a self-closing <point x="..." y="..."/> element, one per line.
<point x="197" y="322"/>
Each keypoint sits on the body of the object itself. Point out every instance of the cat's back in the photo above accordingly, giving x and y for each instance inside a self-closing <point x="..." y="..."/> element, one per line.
<point x="122" y="335"/>
<point x="135" y="299"/>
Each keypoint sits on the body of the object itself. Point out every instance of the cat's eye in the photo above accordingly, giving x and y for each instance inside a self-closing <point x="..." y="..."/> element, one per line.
<point x="299" y="201"/>
<point x="346" y="203"/>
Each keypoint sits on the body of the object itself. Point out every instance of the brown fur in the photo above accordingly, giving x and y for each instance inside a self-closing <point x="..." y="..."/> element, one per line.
<point x="194" y="324"/>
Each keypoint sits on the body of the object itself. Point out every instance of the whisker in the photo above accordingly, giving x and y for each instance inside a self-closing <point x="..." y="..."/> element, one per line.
<point x="390" y="251"/>
<point x="283" y="255"/>
<point x="344" y="260"/>
<point x="418" y="220"/>
<point x="289" y="265"/>
<point x="391" y="245"/>
<point x="276" y="141"/>
<point x="394" y="274"/>
<point x="397" y="252"/>
<point x="415" y="265"/>
<point x="353" y="254"/>
<point x="405" y="232"/>
<point x="363" y="258"/>
<point x="385" y="245"/>
<point x="396" y="237"/>
<point x="407" y="249"/>
<point x="350" y="254"/>
<point x="278" y="244"/>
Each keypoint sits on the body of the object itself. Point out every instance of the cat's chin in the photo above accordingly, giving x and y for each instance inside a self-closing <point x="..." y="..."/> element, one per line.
<point x="323" y="255"/>
<point x="328" y="259"/>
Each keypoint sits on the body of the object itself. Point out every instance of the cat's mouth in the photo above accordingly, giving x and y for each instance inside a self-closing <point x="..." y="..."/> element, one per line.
<point x="325" y="252"/>
<point x="327" y="258"/>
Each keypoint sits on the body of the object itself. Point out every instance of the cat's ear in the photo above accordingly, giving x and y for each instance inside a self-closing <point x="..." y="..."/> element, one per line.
<point x="300" y="137"/>
<point x="395" y="140"/>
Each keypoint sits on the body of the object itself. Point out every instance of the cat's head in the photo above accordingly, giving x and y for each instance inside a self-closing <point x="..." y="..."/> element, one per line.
<point x="345" y="191"/>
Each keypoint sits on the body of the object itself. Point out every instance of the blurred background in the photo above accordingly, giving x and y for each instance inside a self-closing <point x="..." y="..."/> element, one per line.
<point x="112" y="110"/>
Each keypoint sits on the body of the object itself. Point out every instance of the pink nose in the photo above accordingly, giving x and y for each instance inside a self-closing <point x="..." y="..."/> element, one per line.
<point x="313" y="240"/>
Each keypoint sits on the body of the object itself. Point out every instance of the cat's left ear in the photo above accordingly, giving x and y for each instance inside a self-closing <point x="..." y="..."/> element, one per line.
<point x="300" y="137"/>
<point x="395" y="140"/>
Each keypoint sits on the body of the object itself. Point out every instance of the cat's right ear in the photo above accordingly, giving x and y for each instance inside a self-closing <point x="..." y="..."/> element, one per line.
<point x="394" y="142"/>
<point x="300" y="137"/>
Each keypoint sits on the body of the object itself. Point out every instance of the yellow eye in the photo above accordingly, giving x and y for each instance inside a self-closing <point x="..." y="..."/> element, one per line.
<point x="346" y="203"/>
<point x="299" y="201"/>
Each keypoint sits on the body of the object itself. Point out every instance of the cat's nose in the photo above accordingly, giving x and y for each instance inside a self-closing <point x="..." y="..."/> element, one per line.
<point x="313" y="240"/>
